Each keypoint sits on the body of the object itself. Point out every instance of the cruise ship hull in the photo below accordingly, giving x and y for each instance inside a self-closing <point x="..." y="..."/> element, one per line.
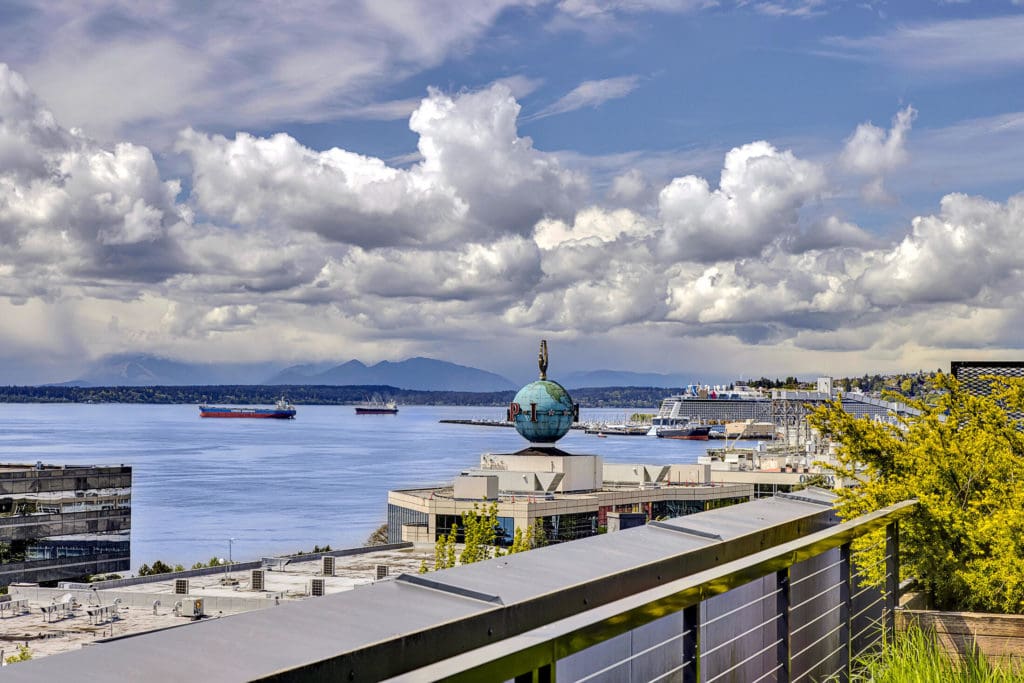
<point x="688" y="433"/>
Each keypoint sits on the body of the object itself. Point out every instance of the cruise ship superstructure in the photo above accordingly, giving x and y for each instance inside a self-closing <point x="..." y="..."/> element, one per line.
<point x="714" y="404"/>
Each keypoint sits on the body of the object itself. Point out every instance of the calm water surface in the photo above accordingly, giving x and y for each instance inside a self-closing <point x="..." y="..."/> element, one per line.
<point x="278" y="486"/>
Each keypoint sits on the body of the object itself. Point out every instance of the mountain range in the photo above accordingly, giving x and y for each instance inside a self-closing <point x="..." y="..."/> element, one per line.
<point x="423" y="374"/>
<point x="419" y="374"/>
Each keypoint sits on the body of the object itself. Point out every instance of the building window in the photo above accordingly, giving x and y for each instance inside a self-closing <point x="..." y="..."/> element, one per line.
<point x="398" y="516"/>
<point x="559" y="528"/>
<point x="666" y="509"/>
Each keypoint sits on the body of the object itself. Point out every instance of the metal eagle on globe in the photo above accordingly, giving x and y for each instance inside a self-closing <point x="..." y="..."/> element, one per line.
<point x="543" y="411"/>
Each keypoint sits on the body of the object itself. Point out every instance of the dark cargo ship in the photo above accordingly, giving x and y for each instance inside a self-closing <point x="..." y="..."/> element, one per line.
<point x="377" y="408"/>
<point x="282" y="410"/>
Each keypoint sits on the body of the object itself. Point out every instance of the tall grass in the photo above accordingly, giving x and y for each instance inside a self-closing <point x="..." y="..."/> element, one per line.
<point x="916" y="657"/>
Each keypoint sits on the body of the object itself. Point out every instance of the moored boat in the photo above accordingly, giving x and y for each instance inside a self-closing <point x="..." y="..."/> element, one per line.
<point x="377" y="408"/>
<point x="693" y="432"/>
<point x="282" y="410"/>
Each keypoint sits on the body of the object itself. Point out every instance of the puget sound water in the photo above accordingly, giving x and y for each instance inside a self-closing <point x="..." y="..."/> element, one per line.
<point x="279" y="486"/>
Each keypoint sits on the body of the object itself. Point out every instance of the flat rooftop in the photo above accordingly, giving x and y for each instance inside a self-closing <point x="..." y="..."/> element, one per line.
<point x="292" y="581"/>
<point x="227" y="592"/>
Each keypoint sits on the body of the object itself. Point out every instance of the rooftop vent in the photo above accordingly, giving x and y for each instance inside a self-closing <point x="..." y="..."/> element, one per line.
<point x="181" y="586"/>
<point x="257" y="580"/>
<point x="382" y="571"/>
<point x="316" y="588"/>
<point x="328" y="565"/>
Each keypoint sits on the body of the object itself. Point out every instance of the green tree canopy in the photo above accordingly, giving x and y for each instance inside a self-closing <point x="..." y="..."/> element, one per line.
<point x="963" y="460"/>
<point x="480" y="530"/>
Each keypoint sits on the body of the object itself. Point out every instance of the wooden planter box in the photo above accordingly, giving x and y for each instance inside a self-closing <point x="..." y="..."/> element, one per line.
<point x="1000" y="637"/>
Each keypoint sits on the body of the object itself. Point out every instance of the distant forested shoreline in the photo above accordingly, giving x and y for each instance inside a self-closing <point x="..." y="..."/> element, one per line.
<point x="617" y="397"/>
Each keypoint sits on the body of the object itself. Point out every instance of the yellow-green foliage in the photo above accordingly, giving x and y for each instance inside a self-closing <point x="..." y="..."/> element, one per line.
<point x="480" y="527"/>
<point x="533" y="538"/>
<point x="24" y="654"/>
<point x="444" y="550"/>
<point x="963" y="459"/>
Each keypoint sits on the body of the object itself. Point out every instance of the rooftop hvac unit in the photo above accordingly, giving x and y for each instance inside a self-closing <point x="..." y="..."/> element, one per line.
<point x="316" y="588"/>
<point x="257" y="580"/>
<point x="382" y="571"/>
<point x="328" y="565"/>
<point x="192" y="607"/>
<point x="181" y="586"/>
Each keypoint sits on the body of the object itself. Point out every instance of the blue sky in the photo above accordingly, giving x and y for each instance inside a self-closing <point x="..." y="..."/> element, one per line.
<point x="677" y="186"/>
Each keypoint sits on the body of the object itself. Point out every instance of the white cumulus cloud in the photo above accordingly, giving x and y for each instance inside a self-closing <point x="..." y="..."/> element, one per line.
<point x="873" y="152"/>
<point x="758" y="199"/>
<point x="477" y="179"/>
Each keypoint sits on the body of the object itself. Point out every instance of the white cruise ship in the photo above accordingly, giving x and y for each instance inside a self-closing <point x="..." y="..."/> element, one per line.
<point x="714" y="404"/>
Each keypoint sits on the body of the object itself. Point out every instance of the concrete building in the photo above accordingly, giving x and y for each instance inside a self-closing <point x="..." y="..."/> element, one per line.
<point x="790" y="409"/>
<point x="571" y="495"/>
<point x="63" y="522"/>
<point x="530" y="486"/>
<point x="970" y="372"/>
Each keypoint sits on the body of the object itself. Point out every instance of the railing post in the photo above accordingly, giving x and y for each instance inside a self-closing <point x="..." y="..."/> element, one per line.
<point x="691" y="643"/>
<point x="782" y="625"/>
<point x="845" y="612"/>
<point x="542" y="674"/>
<point x="892" y="579"/>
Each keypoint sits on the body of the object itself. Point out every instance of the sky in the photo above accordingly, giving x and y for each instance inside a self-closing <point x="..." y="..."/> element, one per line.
<point x="735" y="188"/>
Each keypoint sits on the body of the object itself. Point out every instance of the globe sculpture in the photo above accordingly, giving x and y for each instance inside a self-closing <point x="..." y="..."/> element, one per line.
<point x="543" y="411"/>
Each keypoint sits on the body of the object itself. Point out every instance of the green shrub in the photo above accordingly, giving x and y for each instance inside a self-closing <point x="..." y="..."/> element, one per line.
<point x="962" y="458"/>
<point x="24" y="654"/>
<point x="158" y="567"/>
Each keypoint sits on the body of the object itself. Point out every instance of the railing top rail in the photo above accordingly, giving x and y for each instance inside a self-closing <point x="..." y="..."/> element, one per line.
<point x="575" y="616"/>
<point x="504" y="659"/>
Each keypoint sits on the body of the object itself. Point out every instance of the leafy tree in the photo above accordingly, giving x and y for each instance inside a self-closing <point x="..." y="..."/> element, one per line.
<point x="534" y="537"/>
<point x="379" y="536"/>
<point x="480" y="531"/>
<point x="444" y="549"/>
<point x="158" y="568"/>
<point x="481" y="525"/>
<point x="963" y="460"/>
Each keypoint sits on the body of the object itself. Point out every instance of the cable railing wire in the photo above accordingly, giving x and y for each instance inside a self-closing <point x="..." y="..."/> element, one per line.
<point x="635" y="655"/>
<point x="821" y="661"/>
<point x="824" y="614"/>
<point x="815" y="572"/>
<point x="760" y="626"/>
<point x="823" y="637"/>
<point x="743" y="661"/>
<point x="741" y="607"/>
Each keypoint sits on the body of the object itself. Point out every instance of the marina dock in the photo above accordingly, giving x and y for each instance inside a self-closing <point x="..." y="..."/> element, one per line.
<point x="494" y="423"/>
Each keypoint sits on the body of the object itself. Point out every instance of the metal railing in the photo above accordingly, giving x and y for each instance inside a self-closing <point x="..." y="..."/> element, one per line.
<point x="812" y="618"/>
